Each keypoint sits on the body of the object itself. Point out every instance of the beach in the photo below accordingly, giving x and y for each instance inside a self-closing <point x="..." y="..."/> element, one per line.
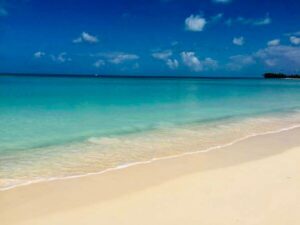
<point x="158" y="112"/>
<point x="253" y="181"/>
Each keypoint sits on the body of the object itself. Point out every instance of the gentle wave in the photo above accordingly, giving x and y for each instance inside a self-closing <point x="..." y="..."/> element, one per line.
<point x="103" y="140"/>
<point x="151" y="160"/>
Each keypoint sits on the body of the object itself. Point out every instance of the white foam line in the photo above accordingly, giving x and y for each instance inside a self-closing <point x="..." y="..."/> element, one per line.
<point x="153" y="159"/>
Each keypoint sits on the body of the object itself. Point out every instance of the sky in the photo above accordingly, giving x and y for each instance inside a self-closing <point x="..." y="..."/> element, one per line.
<point x="150" y="37"/>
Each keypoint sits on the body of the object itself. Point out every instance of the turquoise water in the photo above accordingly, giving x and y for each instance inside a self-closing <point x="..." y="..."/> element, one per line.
<point x="57" y="127"/>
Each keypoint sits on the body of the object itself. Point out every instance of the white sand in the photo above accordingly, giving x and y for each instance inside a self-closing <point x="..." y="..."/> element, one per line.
<point x="256" y="181"/>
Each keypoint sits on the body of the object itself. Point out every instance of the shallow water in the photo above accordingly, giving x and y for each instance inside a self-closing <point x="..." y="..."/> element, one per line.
<point x="60" y="127"/>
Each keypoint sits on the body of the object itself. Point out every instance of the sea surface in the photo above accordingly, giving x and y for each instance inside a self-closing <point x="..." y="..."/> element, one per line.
<point x="56" y="128"/>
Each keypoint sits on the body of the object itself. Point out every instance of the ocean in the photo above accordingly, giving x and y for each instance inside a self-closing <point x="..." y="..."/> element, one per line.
<point x="59" y="128"/>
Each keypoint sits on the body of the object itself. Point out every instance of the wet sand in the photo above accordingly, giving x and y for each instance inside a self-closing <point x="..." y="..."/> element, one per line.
<point x="255" y="181"/>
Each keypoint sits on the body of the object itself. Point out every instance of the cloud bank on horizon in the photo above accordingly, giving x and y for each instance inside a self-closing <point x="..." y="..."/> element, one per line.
<point x="159" y="37"/>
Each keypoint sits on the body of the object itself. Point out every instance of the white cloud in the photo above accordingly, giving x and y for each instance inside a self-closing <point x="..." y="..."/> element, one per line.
<point x="248" y="21"/>
<point x="274" y="42"/>
<point x="297" y="33"/>
<point x="264" y="21"/>
<point x="284" y="57"/>
<point x="238" y="41"/>
<point x="86" y="37"/>
<point x="118" y="58"/>
<point x="280" y="58"/>
<point x="77" y="40"/>
<point x="165" y="56"/>
<point x="271" y="62"/>
<point x="221" y="1"/>
<point x="115" y="57"/>
<point x="162" y="55"/>
<point x="89" y="38"/>
<point x="172" y="64"/>
<point x="210" y="63"/>
<point x="61" y="58"/>
<point x="238" y="62"/>
<point x="195" y="23"/>
<point x="295" y="40"/>
<point x="39" y="54"/>
<point x="99" y="63"/>
<point x="192" y="61"/>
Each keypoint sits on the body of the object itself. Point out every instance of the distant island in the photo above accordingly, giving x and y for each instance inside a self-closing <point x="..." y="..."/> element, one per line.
<point x="280" y="76"/>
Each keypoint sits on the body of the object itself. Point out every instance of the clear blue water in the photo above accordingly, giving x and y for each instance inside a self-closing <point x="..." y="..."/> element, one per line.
<point x="75" y="126"/>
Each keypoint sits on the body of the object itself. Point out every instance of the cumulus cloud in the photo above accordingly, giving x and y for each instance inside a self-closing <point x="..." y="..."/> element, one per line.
<point x="99" y="63"/>
<point x="274" y="42"/>
<point x="193" y="62"/>
<point x="39" y="54"/>
<point x="164" y="55"/>
<point x="238" y="41"/>
<point x="172" y="63"/>
<point x="295" y="40"/>
<point x="195" y="23"/>
<point x="86" y="37"/>
<point x="279" y="57"/>
<point x="283" y="57"/>
<point x="61" y="58"/>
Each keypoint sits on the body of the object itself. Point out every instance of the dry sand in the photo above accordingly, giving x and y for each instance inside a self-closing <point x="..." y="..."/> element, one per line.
<point x="255" y="181"/>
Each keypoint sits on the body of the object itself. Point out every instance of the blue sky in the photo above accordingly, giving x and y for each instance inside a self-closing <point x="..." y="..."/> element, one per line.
<point x="157" y="37"/>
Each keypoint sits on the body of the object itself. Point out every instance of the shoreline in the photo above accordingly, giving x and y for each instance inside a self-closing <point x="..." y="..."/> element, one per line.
<point x="133" y="164"/>
<point x="135" y="188"/>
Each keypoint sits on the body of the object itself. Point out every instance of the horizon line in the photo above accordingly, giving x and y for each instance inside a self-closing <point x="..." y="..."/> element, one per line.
<point x="58" y="75"/>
